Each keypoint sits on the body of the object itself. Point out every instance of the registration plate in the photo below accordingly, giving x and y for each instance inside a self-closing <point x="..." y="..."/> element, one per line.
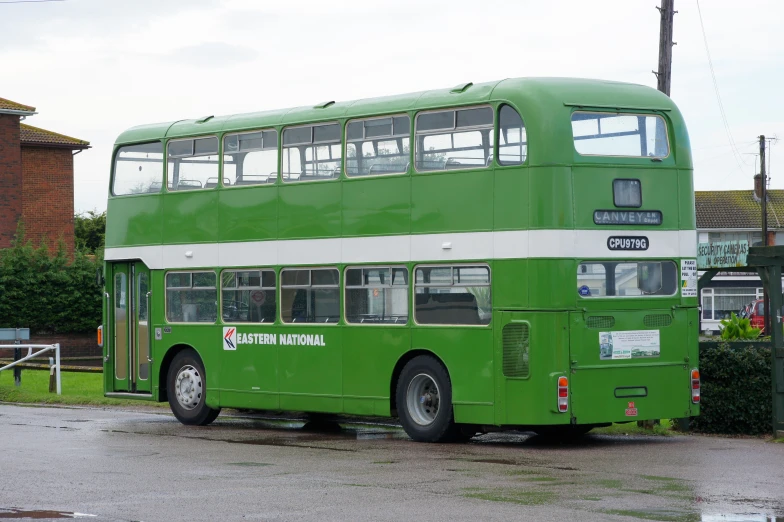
<point x="627" y="243"/>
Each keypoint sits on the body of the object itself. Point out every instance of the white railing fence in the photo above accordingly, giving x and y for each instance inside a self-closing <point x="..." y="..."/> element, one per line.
<point x="42" y="348"/>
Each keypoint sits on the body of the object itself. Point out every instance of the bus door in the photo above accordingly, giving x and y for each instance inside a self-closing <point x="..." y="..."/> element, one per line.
<point x="130" y="318"/>
<point x="629" y="365"/>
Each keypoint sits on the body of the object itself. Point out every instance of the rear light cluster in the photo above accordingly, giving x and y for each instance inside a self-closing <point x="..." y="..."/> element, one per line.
<point x="695" y="386"/>
<point x="100" y="336"/>
<point x="563" y="394"/>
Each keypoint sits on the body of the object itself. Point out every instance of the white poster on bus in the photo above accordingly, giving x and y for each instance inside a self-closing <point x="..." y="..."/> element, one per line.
<point x="688" y="277"/>
<point x="629" y="344"/>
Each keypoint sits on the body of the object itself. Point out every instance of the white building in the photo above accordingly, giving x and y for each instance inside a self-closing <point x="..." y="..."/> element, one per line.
<point x="731" y="215"/>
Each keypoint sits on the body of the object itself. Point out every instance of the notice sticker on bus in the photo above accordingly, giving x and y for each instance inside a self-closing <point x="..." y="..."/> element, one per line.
<point x="629" y="344"/>
<point x="688" y="278"/>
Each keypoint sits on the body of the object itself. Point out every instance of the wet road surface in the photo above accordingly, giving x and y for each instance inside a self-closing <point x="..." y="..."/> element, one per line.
<point x="106" y="464"/>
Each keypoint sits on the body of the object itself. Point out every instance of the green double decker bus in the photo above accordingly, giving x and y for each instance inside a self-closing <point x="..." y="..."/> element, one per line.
<point x="517" y="254"/>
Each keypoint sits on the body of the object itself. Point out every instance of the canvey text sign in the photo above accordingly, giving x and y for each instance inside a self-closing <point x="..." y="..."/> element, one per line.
<point x="627" y="217"/>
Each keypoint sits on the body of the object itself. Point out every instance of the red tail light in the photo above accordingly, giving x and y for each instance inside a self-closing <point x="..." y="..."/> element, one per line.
<point x="695" y="386"/>
<point x="563" y="394"/>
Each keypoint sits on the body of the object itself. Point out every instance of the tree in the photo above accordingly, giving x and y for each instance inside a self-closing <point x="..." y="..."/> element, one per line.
<point x="89" y="231"/>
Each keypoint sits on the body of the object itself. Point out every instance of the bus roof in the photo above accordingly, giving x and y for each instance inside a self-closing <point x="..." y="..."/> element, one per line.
<point x="532" y="96"/>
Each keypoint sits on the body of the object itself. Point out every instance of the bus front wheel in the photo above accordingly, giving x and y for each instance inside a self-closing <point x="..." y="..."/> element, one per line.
<point x="186" y="390"/>
<point x="424" y="401"/>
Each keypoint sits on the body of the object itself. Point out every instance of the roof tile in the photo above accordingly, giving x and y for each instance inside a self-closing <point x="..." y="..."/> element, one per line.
<point x="30" y="135"/>
<point x="14" y="106"/>
<point x="728" y="209"/>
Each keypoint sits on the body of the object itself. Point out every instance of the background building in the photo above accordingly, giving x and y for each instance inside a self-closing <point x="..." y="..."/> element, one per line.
<point x="36" y="179"/>
<point x="735" y="215"/>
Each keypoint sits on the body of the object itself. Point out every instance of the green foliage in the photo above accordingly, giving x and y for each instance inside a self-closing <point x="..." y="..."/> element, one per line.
<point x="735" y="328"/>
<point x="736" y="389"/>
<point x="47" y="293"/>
<point x="89" y="231"/>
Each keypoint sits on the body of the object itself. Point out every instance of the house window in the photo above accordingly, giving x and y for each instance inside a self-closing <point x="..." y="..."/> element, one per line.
<point x="720" y="303"/>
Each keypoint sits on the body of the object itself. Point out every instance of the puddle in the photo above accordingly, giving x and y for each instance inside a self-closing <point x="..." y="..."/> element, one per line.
<point x="497" y="461"/>
<point x="663" y="515"/>
<point x="64" y="428"/>
<point x="740" y="517"/>
<point x="291" y="443"/>
<point x="21" y="514"/>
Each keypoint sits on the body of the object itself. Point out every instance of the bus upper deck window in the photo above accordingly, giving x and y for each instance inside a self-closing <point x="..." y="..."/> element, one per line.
<point x="311" y="153"/>
<point x="512" y="139"/>
<point x="138" y="169"/>
<point x="620" y="134"/>
<point x="250" y="158"/>
<point x="192" y="164"/>
<point x="454" y="139"/>
<point x="378" y="146"/>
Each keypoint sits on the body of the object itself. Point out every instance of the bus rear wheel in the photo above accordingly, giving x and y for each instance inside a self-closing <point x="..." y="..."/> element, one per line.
<point x="186" y="390"/>
<point x="424" y="401"/>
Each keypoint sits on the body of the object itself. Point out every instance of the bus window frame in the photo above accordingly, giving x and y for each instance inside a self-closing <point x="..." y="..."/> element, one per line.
<point x="455" y="108"/>
<point x="410" y="135"/>
<point x="413" y="285"/>
<point x="625" y="111"/>
<point x="114" y="168"/>
<point x="497" y="124"/>
<point x="278" y="160"/>
<point x="219" y="161"/>
<point x="618" y="261"/>
<point x="346" y="287"/>
<point x="341" y="142"/>
<point x="261" y="270"/>
<point x="309" y="285"/>
<point x="191" y="272"/>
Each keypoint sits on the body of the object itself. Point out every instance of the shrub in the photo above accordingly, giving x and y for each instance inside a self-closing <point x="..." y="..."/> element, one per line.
<point x="45" y="292"/>
<point x="735" y="328"/>
<point x="736" y="389"/>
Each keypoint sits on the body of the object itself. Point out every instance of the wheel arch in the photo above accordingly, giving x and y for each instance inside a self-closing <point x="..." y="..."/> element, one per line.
<point x="401" y="363"/>
<point x="163" y="371"/>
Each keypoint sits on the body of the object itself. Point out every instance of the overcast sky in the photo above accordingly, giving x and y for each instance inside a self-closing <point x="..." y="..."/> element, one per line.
<point x="93" y="68"/>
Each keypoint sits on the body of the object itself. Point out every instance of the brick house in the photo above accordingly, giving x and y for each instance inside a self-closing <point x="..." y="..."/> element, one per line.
<point x="36" y="179"/>
<point x="733" y="215"/>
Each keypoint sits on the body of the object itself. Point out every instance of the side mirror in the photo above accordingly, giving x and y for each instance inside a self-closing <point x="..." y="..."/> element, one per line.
<point x="99" y="280"/>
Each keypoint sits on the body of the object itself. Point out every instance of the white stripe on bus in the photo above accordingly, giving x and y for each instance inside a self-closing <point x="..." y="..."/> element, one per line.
<point x="458" y="246"/>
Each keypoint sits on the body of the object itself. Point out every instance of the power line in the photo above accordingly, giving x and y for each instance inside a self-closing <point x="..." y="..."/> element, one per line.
<point x="736" y="154"/>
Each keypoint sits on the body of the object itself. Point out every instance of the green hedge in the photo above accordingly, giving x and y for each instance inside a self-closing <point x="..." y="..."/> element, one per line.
<point x="736" y="389"/>
<point x="47" y="293"/>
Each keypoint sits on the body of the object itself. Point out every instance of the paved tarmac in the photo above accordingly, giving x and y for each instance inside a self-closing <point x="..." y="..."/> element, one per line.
<point x="108" y="464"/>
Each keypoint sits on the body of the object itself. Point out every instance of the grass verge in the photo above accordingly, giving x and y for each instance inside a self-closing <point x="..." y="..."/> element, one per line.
<point x="77" y="389"/>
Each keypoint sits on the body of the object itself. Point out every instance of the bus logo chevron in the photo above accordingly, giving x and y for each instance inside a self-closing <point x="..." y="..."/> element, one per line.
<point x="229" y="338"/>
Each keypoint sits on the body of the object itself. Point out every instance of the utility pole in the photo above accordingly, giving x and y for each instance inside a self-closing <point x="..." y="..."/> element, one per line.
<point x="764" y="204"/>
<point x="764" y="191"/>
<point x="664" y="74"/>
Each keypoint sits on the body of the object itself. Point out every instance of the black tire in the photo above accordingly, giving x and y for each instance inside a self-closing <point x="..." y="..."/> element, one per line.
<point x="434" y="401"/>
<point x="188" y="399"/>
